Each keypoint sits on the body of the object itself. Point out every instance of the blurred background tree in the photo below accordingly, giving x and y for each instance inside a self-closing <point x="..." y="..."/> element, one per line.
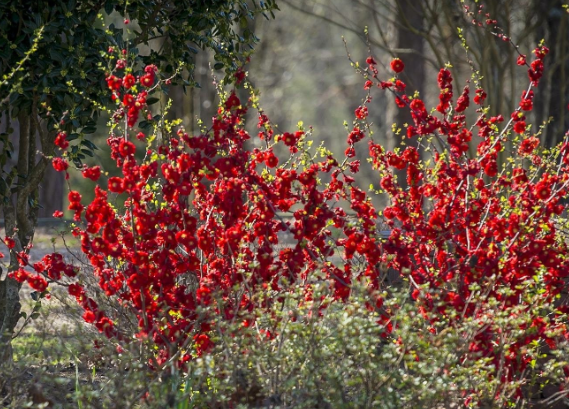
<point x="303" y="74"/>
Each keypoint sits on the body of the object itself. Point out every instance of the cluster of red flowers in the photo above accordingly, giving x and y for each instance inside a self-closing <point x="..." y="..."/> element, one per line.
<point x="203" y="209"/>
<point x="458" y="226"/>
<point x="132" y="102"/>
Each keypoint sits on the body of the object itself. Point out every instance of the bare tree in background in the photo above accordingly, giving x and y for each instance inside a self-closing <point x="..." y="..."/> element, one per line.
<point x="396" y="25"/>
<point x="410" y="49"/>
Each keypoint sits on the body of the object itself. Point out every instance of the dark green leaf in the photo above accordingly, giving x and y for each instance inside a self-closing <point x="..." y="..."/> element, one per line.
<point x="89" y="144"/>
<point x="109" y="7"/>
<point x="144" y="124"/>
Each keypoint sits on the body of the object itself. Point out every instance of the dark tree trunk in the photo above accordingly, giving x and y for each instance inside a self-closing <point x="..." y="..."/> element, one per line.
<point x="20" y="208"/>
<point x="553" y="89"/>
<point x="52" y="187"/>
<point x="409" y="12"/>
<point x="51" y="193"/>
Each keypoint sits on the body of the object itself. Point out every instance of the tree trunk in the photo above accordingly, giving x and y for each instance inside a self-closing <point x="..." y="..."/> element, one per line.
<point x="51" y="193"/>
<point x="410" y="14"/>
<point x="20" y="206"/>
<point x="553" y="89"/>
<point x="10" y="313"/>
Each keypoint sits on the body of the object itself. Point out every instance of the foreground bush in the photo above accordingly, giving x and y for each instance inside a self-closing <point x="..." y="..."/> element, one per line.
<point x="326" y="355"/>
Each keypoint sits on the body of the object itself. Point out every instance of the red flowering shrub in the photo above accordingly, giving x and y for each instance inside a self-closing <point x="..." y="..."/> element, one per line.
<point x="201" y="225"/>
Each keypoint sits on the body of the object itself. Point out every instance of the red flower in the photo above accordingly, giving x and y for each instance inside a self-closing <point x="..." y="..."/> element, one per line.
<point x="128" y="81"/>
<point x="93" y="173"/>
<point x="528" y="145"/>
<point x="355" y="136"/>
<point x="290" y="139"/>
<point x="76" y="290"/>
<point x="74" y="196"/>
<point x="89" y="316"/>
<point x="128" y="100"/>
<point x="61" y="141"/>
<point x="10" y="242"/>
<point x="60" y="164"/>
<point x="463" y="101"/>
<point x="520" y="127"/>
<point x="542" y="190"/>
<point x="536" y="71"/>
<point x="361" y="112"/>
<point x="116" y="184"/>
<point x="19" y="275"/>
<point x="203" y="343"/>
<point x="541" y="51"/>
<point x="397" y="65"/>
<point x="239" y="76"/>
<point x="147" y="80"/>
<point x="480" y="96"/>
<point x="400" y="102"/>
<point x="271" y="160"/>
<point x="114" y="83"/>
<point x="526" y="103"/>
<point x="37" y="282"/>
<point x="58" y="214"/>
<point x="491" y="168"/>
<point x="126" y="148"/>
<point x="121" y="64"/>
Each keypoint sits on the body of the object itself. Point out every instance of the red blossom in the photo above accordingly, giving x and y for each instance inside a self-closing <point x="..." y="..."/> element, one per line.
<point x="10" y="242"/>
<point x="128" y="81"/>
<point x="61" y="141"/>
<point x="397" y="65"/>
<point x="480" y="96"/>
<point x="361" y="112"/>
<point x="271" y="160"/>
<point x="114" y="83"/>
<point x="528" y="145"/>
<point x="116" y="184"/>
<point x="93" y="173"/>
<point x="60" y="164"/>
<point x="520" y="127"/>
<point x="37" y="282"/>
<point x="355" y="136"/>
